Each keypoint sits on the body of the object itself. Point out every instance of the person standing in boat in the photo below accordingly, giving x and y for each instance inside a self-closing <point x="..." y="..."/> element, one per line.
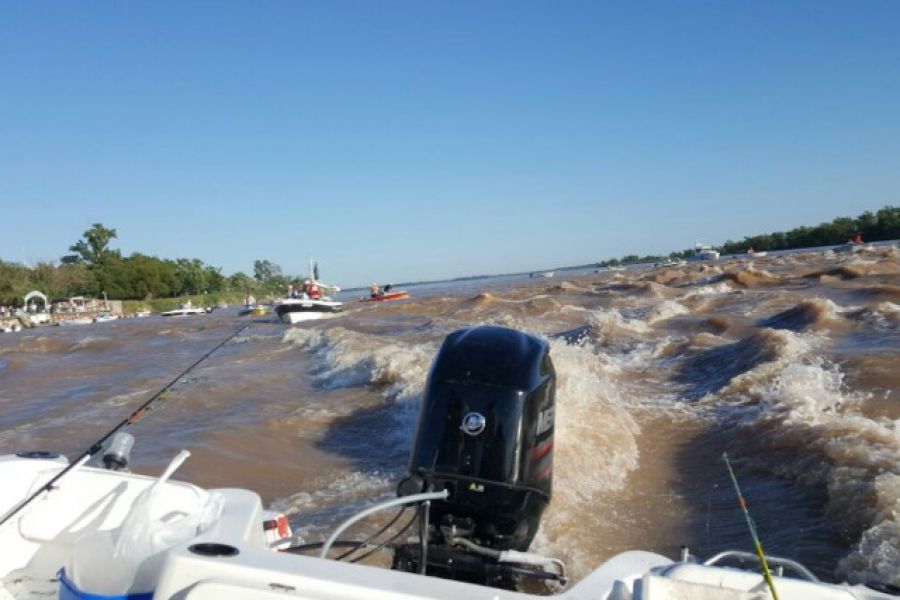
<point x="374" y="291"/>
<point x="291" y="293"/>
<point x="387" y="288"/>
<point x="312" y="288"/>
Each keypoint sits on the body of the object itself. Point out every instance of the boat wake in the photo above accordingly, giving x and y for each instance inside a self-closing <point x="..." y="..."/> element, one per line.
<point x="804" y="424"/>
<point x="788" y="363"/>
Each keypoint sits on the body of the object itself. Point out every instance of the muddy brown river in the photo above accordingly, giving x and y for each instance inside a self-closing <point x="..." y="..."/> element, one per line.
<point x="790" y="363"/>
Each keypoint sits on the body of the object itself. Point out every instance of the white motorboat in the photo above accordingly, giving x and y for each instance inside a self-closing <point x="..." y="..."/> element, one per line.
<point x="670" y="262"/>
<point x="142" y="314"/>
<point x="105" y="318"/>
<point x="296" y="310"/>
<point x="704" y="252"/>
<point x="186" y="309"/>
<point x="91" y="533"/>
<point x="310" y="303"/>
<point x="40" y="318"/>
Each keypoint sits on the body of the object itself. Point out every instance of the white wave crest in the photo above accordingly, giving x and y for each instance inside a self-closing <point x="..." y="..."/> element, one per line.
<point x="347" y="358"/>
<point x="715" y="289"/>
<point x="857" y="458"/>
<point x="595" y="449"/>
<point x="665" y="310"/>
<point x="607" y="321"/>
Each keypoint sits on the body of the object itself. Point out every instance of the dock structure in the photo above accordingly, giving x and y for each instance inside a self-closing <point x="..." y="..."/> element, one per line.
<point x="38" y="310"/>
<point x="79" y="307"/>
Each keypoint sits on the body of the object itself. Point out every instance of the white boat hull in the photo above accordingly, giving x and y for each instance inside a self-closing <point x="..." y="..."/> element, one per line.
<point x="299" y="317"/>
<point x="296" y="310"/>
<point x="232" y="559"/>
<point x="704" y="252"/>
<point x="183" y="312"/>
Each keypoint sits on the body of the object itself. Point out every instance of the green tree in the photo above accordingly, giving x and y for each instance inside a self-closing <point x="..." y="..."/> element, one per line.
<point x="14" y="279"/>
<point x="264" y="270"/>
<point x="191" y="275"/>
<point x="215" y="281"/>
<point x="888" y="226"/>
<point x="94" y="248"/>
<point x="241" y="282"/>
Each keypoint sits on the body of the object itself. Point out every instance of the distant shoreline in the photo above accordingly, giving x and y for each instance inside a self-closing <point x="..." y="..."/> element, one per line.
<point x="146" y="280"/>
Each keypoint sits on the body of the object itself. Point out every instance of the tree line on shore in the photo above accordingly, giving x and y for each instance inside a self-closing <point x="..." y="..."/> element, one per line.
<point x="872" y="227"/>
<point x="94" y="269"/>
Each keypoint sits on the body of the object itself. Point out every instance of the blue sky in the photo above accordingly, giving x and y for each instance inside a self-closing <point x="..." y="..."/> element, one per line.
<point x="424" y="140"/>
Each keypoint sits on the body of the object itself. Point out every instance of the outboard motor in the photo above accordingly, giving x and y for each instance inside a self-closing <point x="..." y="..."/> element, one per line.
<point x="485" y="434"/>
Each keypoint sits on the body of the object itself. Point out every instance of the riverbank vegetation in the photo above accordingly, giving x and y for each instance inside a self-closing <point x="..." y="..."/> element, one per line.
<point x="94" y="269"/>
<point x="871" y="227"/>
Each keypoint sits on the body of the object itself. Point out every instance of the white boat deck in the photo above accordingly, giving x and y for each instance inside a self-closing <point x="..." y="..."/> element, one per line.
<point x="232" y="559"/>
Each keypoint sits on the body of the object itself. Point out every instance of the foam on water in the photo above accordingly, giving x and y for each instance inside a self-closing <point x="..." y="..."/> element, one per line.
<point x="595" y="449"/>
<point x="347" y="358"/>
<point x="665" y="310"/>
<point x="883" y="316"/>
<point x="711" y="289"/>
<point x="317" y="512"/>
<point x="805" y="425"/>
<point x="93" y="344"/>
<point x="609" y="322"/>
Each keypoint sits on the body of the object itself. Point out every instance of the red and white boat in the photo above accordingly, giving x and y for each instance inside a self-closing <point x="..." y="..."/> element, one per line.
<point x="401" y="295"/>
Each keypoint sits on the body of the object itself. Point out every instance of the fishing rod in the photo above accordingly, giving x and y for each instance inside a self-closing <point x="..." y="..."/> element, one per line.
<point x="752" y="526"/>
<point x="138" y="414"/>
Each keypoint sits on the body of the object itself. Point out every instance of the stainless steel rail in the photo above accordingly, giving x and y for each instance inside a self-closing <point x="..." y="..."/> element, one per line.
<point x="772" y="560"/>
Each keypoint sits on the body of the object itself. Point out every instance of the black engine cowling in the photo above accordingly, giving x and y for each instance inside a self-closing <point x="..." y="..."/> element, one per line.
<point x="485" y="433"/>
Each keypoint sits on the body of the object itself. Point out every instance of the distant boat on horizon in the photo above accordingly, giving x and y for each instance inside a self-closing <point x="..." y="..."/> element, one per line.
<point x="704" y="252"/>
<point x="670" y="262"/>
<point x="185" y="310"/>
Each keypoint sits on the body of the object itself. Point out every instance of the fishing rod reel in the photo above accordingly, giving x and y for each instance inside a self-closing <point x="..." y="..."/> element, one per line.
<point x="118" y="454"/>
<point x="485" y="435"/>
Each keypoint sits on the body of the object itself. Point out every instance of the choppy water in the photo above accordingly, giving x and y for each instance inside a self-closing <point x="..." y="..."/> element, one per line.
<point x="789" y="363"/>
